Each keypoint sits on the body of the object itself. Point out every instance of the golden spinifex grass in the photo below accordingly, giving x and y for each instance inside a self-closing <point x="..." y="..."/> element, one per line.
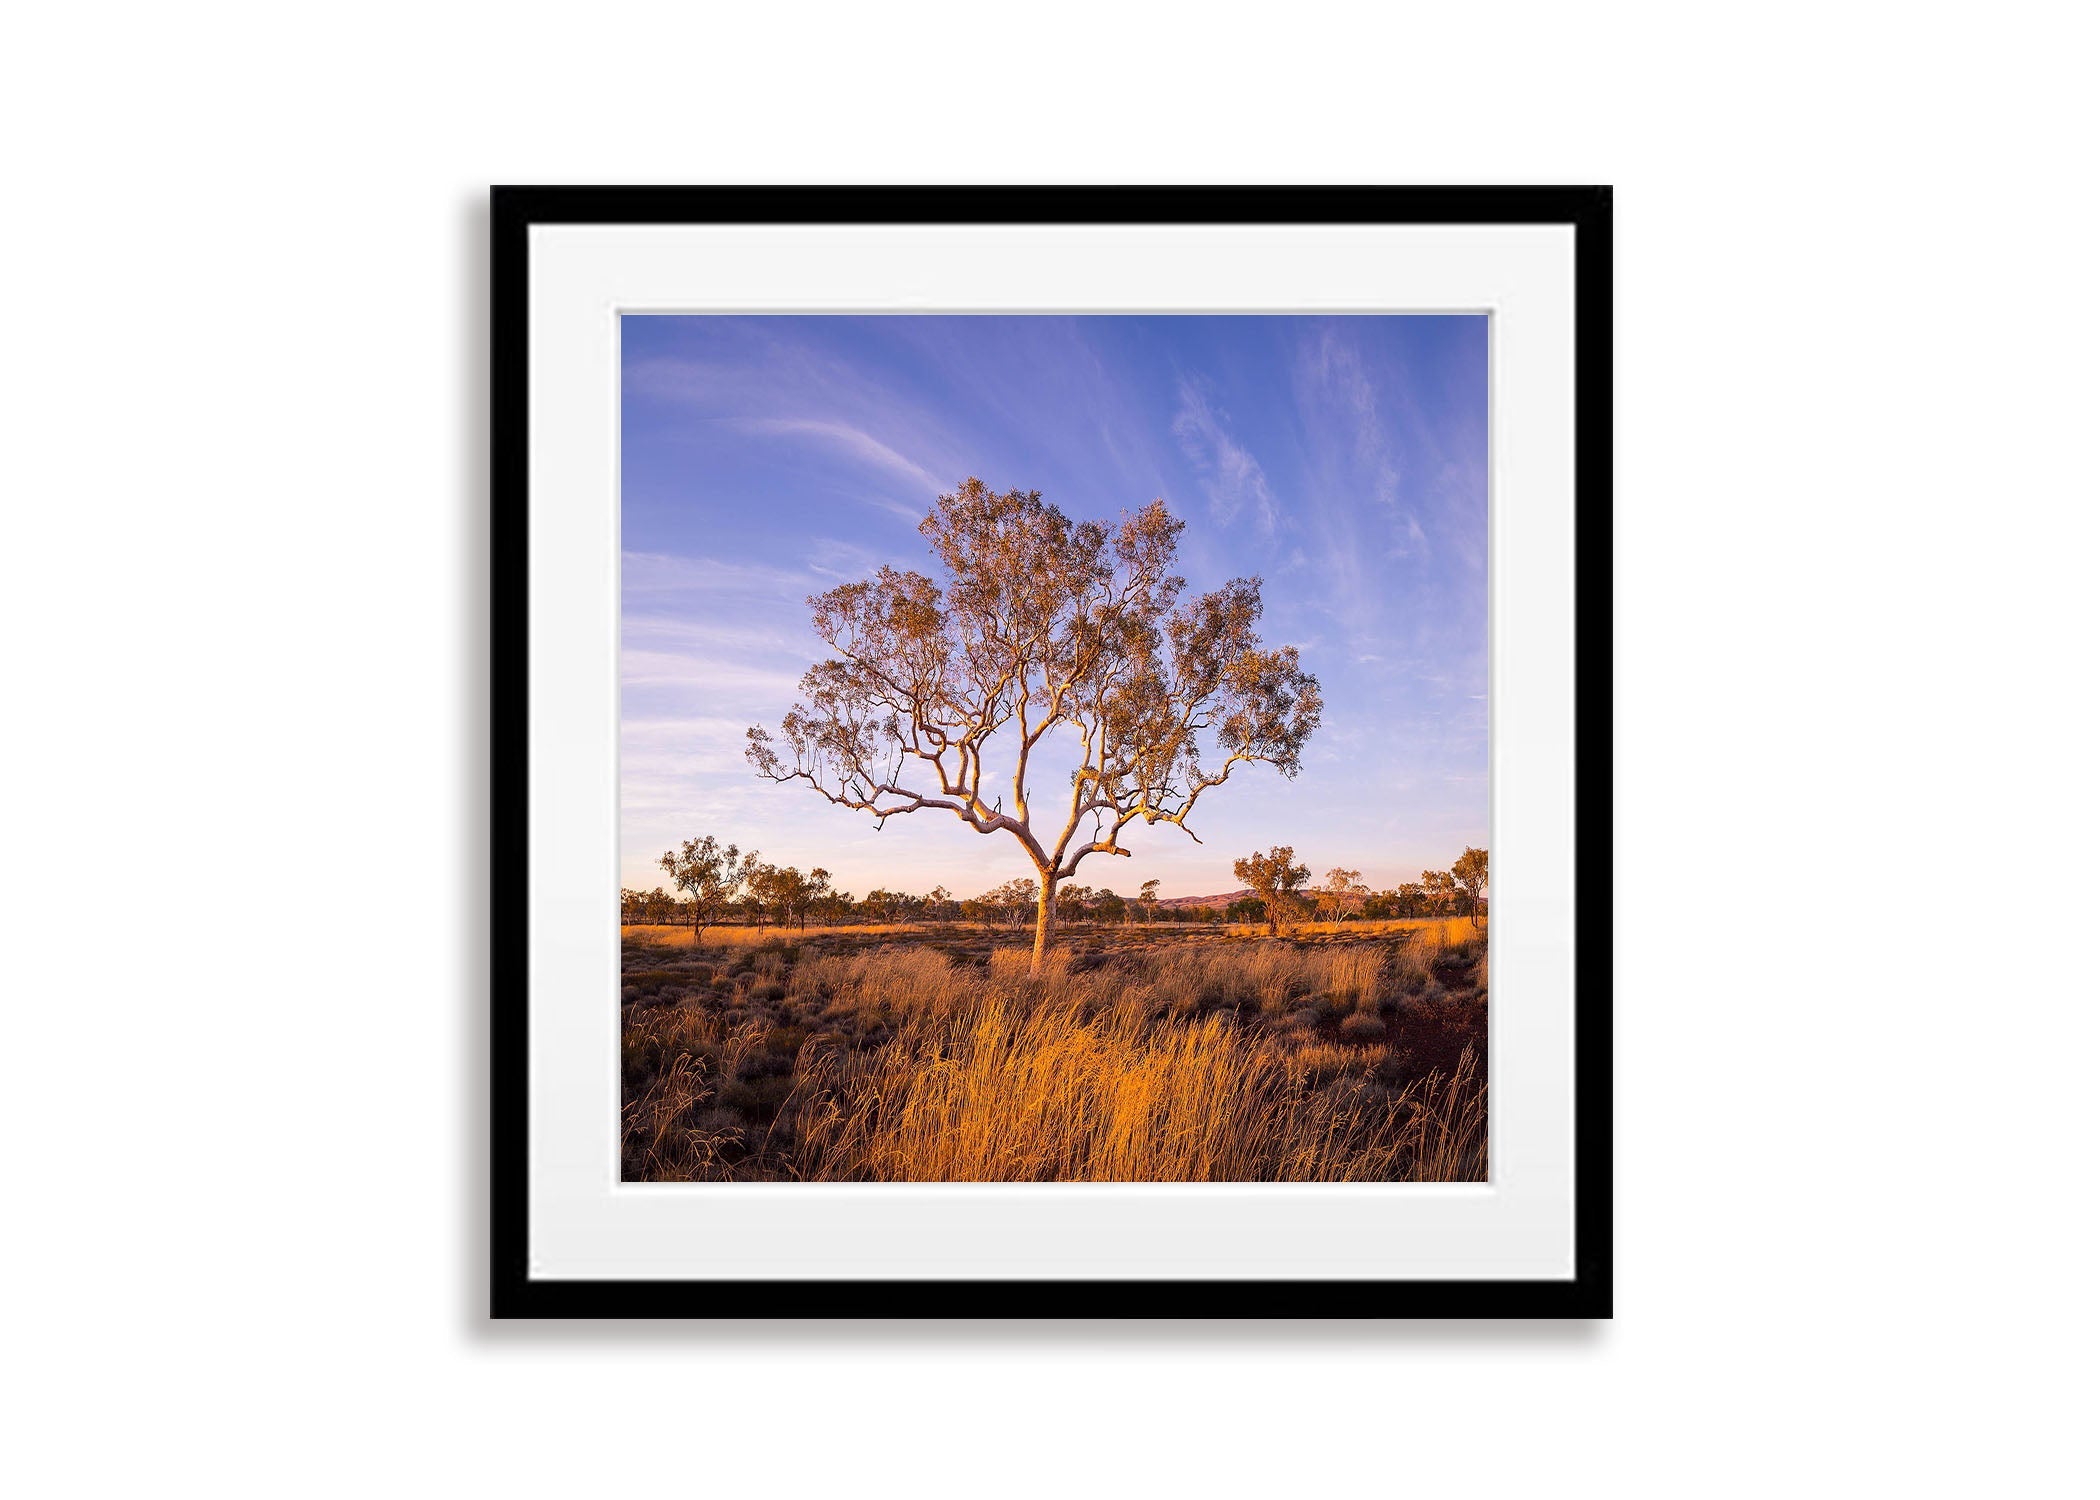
<point x="724" y="936"/>
<point x="1013" y="1091"/>
<point x="935" y="1058"/>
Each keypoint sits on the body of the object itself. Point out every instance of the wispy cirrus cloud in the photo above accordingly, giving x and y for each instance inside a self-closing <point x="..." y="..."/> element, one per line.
<point x="855" y="444"/>
<point x="667" y="573"/>
<point x="725" y="681"/>
<point x="668" y="378"/>
<point x="1232" y="479"/>
<point x="744" y="639"/>
<point x="754" y="381"/>
<point x="1333" y="372"/>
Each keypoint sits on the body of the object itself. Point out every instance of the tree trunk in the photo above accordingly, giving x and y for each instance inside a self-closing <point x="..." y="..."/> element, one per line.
<point x="1045" y="923"/>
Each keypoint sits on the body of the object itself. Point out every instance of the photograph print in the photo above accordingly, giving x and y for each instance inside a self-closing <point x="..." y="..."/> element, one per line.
<point x="1054" y="749"/>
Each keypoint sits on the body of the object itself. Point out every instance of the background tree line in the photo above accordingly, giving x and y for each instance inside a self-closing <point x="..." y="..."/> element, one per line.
<point x="1280" y="892"/>
<point x="718" y="884"/>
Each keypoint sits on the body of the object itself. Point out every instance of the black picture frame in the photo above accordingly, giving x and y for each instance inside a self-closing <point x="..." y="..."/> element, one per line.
<point x="513" y="1293"/>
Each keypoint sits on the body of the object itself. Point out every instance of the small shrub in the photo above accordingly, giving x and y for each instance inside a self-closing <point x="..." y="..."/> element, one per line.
<point x="1362" y="1027"/>
<point x="761" y="1062"/>
<point x="758" y="1097"/>
<point x="1323" y="1062"/>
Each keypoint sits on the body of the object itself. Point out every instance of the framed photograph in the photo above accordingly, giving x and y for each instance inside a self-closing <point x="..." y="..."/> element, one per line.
<point x="1052" y="750"/>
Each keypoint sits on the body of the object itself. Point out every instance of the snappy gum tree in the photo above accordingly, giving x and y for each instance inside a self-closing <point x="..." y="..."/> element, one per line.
<point x="1470" y="875"/>
<point x="710" y="875"/>
<point x="1275" y="879"/>
<point x="1045" y="626"/>
<point x="1338" y="890"/>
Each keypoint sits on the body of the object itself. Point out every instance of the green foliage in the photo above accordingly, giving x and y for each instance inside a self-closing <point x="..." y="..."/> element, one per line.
<point x="1470" y="876"/>
<point x="1276" y="878"/>
<point x="710" y="875"/>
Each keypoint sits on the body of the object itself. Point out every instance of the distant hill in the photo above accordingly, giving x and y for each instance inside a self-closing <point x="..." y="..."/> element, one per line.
<point x="1220" y="902"/>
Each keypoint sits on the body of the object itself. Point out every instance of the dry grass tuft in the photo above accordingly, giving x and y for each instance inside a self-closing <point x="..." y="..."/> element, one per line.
<point x="666" y="1132"/>
<point x="1351" y="974"/>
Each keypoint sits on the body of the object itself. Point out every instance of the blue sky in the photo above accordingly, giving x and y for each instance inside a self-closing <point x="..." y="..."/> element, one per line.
<point x="1343" y="460"/>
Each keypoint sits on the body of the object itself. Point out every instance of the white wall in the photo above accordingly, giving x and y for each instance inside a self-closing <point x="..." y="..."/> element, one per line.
<point x="241" y="597"/>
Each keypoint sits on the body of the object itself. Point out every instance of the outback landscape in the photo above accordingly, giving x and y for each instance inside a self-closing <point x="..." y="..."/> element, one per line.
<point x="922" y="689"/>
<point x="1169" y="1051"/>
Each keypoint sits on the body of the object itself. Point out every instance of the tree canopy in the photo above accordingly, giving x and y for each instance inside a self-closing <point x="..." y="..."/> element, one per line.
<point x="1043" y="624"/>
<point x="1340" y="892"/>
<point x="1275" y="878"/>
<point x="1470" y="876"/>
<point x="710" y="874"/>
